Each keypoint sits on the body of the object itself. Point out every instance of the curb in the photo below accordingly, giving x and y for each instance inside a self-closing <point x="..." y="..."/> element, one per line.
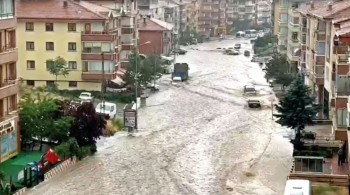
<point x="61" y="167"/>
<point x="20" y="191"/>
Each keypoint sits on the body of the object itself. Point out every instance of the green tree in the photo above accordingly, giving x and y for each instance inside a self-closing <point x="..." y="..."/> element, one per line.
<point x="57" y="67"/>
<point x="39" y="119"/>
<point x="297" y="109"/>
<point x="278" y="69"/>
<point x="241" y="25"/>
<point x="147" y="69"/>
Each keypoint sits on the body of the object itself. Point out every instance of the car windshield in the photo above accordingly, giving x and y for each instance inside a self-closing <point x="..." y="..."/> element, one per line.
<point x="85" y="95"/>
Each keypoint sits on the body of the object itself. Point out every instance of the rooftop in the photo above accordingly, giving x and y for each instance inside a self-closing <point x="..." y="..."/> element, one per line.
<point x="152" y="24"/>
<point x="339" y="9"/>
<point x="55" y="9"/>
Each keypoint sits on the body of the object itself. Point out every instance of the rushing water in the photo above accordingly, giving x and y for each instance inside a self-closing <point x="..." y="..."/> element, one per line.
<point x="196" y="139"/>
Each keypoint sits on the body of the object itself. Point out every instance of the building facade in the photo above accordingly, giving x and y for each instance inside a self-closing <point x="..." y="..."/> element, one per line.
<point x="90" y="37"/>
<point x="324" y="60"/>
<point x="9" y="84"/>
<point x="212" y="19"/>
<point x="263" y="12"/>
<point x="157" y="34"/>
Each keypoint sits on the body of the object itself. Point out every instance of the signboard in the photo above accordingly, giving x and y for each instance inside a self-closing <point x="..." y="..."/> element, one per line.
<point x="130" y="119"/>
<point x="8" y="140"/>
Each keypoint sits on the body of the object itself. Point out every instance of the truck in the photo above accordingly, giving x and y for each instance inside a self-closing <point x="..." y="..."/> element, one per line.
<point x="180" y="70"/>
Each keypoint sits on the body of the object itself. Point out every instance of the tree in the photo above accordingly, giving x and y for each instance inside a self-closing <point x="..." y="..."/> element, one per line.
<point x="57" y="67"/>
<point x="242" y="25"/>
<point x="278" y="69"/>
<point x="297" y="109"/>
<point x="38" y="119"/>
<point x="148" y="69"/>
<point x="87" y="126"/>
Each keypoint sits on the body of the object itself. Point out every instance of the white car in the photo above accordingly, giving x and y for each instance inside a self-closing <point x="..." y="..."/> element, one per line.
<point x="107" y="108"/>
<point x="249" y="90"/>
<point x="177" y="81"/>
<point x="86" y="97"/>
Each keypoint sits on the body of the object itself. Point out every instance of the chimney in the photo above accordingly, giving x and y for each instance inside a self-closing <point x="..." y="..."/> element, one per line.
<point x="65" y="3"/>
<point x="312" y="5"/>
<point x="329" y="6"/>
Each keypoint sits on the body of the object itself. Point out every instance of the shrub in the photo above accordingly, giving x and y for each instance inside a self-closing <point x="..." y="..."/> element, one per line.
<point x="67" y="149"/>
<point x="309" y="135"/>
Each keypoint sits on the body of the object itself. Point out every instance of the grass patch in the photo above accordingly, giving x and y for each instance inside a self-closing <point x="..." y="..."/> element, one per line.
<point x="329" y="190"/>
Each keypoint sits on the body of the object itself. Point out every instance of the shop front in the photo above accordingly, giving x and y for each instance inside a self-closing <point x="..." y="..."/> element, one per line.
<point x="9" y="139"/>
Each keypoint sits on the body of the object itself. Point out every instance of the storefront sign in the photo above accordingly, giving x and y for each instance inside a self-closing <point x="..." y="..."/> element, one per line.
<point x="130" y="118"/>
<point x="8" y="140"/>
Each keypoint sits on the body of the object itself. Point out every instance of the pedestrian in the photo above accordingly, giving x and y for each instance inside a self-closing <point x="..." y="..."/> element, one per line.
<point x="340" y="156"/>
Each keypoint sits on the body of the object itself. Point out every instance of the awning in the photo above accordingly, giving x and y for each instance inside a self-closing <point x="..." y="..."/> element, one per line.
<point x="118" y="80"/>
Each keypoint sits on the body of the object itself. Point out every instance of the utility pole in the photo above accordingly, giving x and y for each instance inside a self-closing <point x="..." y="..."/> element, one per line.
<point x="136" y="73"/>
<point x="103" y="83"/>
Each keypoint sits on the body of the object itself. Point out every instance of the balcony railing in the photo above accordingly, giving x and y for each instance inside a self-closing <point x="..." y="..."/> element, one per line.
<point x="319" y="71"/>
<point x="6" y="15"/>
<point x="343" y="59"/>
<point x="343" y="86"/>
<point x="7" y="47"/>
<point x="7" y="82"/>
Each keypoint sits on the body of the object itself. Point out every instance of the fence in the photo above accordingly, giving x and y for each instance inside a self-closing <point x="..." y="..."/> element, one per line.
<point x="338" y="180"/>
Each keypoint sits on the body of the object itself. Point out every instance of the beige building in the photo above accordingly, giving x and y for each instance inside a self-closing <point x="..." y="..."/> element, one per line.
<point x="325" y="59"/>
<point x="212" y="17"/>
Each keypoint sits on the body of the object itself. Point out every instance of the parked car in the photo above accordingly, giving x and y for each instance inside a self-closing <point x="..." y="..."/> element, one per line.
<point x="234" y="52"/>
<point x="107" y="109"/>
<point x="254" y="104"/>
<point x="249" y="89"/>
<point x="237" y="46"/>
<point x="246" y="53"/>
<point x="86" y="97"/>
<point x="227" y="51"/>
<point x="166" y="59"/>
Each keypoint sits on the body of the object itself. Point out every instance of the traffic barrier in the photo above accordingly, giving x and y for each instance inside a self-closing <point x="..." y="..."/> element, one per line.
<point x="20" y="191"/>
<point x="59" y="168"/>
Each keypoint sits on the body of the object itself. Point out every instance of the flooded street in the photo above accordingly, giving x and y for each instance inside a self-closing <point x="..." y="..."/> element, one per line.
<point x="196" y="139"/>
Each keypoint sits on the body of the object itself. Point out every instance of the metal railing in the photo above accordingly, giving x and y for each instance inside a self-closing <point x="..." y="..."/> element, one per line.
<point x="94" y="32"/>
<point x="7" y="82"/>
<point x="7" y="47"/>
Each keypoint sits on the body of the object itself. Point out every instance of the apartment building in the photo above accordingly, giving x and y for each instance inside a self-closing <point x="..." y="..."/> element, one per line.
<point x="241" y="10"/>
<point x="9" y="132"/>
<point x="192" y="11"/>
<point x="90" y="37"/>
<point x="325" y="59"/>
<point x="152" y="8"/>
<point x="212" y="17"/>
<point x="263" y="12"/>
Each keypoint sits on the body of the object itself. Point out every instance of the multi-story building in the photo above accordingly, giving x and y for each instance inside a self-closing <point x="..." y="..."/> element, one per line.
<point x="90" y="37"/>
<point x="212" y="17"/>
<point x="9" y="132"/>
<point x="263" y="13"/>
<point x="172" y="15"/>
<point x="152" y="8"/>
<point x="241" y="10"/>
<point x="325" y="54"/>
<point x="192" y="10"/>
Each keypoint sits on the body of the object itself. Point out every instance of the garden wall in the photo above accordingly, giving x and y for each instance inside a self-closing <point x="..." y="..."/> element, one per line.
<point x="59" y="168"/>
<point x="338" y="180"/>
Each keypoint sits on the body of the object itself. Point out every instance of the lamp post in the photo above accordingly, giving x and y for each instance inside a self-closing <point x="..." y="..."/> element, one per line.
<point x="271" y="99"/>
<point x="103" y="89"/>
<point x="136" y="75"/>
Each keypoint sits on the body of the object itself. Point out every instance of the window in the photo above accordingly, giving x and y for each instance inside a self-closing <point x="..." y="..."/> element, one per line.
<point x="321" y="48"/>
<point x="49" y="26"/>
<point x="72" y="65"/>
<point x="30" y="64"/>
<point x="284" y="17"/>
<point x="49" y="46"/>
<point x="341" y="117"/>
<point x="294" y="36"/>
<point x="72" y="46"/>
<point x="29" y="26"/>
<point x="30" y="45"/>
<point x="30" y="83"/>
<point x="72" y="27"/>
<point x="50" y="83"/>
<point x="7" y="9"/>
<point x="73" y="84"/>
<point x="49" y="63"/>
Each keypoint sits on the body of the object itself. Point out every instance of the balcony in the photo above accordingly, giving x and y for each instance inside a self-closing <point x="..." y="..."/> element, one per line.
<point x="8" y="88"/>
<point x="340" y="49"/>
<point x="8" y="53"/>
<point x="127" y="30"/>
<point x="97" y="36"/>
<point x="320" y="60"/>
<point x="96" y="76"/>
<point x="7" y="21"/>
<point x="98" y="56"/>
<point x="127" y="46"/>
<point x="318" y="75"/>
<point x="343" y="86"/>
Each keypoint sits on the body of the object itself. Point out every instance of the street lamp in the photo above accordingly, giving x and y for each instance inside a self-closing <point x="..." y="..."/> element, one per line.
<point x="272" y="99"/>
<point x="136" y="75"/>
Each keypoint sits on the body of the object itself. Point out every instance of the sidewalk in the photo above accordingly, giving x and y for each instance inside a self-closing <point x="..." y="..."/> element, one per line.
<point x="331" y="167"/>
